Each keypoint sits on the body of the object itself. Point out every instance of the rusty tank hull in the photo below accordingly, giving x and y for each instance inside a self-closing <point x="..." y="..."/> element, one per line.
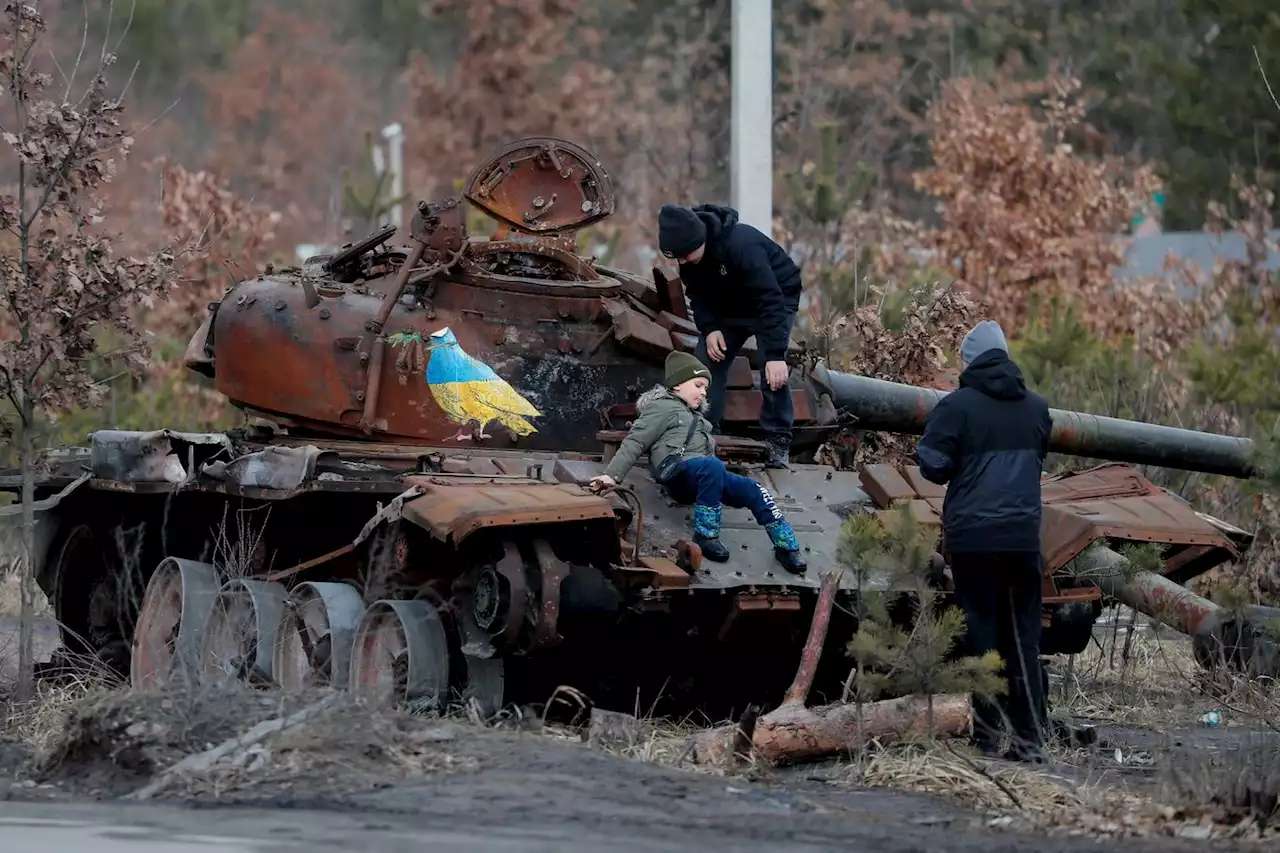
<point x="405" y="516"/>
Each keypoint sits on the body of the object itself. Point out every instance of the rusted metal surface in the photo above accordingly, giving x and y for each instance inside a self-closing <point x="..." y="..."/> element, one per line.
<point x="170" y="634"/>
<point x="1246" y="639"/>
<point x="664" y="573"/>
<point x="492" y="601"/>
<point x="390" y="512"/>
<point x="636" y="332"/>
<point x="1115" y="501"/>
<point x="527" y="258"/>
<point x="756" y="603"/>
<point x="552" y="571"/>
<point x="440" y="227"/>
<point x="884" y="485"/>
<point x="727" y="447"/>
<point x="744" y="406"/>
<point x="542" y="185"/>
<point x="452" y="511"/>
<point x="740" y="374"/>
<point x="670" y="296"/>
<point x="1110" y="501"/>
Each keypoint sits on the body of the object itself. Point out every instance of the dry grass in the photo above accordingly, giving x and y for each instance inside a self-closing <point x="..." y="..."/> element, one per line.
<point x="11" y="598"/>
<point x="1150" y="679"/>
<point x="1024" y="797"/>
<point x="41" y="726"/>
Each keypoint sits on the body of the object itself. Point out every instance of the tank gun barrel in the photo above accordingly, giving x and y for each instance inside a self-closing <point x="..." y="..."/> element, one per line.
<point x="895" y="407"/>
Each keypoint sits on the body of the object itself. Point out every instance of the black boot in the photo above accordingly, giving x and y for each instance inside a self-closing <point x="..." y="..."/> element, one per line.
<point x="779" y="453"/>
<point x="791" y="560"/>
<point x="786" y="550"/>
<point x="712" y="548"/>
<point x="706" y="532"/>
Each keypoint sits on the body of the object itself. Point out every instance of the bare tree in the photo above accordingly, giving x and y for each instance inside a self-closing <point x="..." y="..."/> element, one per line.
<point x="63" y="288"/>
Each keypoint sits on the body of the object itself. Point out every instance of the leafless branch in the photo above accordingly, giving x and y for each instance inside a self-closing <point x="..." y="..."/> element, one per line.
<point x="1257" y="58"/>
<point x="84" y="40"/>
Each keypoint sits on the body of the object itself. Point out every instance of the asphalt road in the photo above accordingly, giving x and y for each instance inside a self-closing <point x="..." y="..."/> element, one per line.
<point x="622" y="806"/>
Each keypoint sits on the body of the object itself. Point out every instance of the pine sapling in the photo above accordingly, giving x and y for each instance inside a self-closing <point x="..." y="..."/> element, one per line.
<point x="907" y="634"/>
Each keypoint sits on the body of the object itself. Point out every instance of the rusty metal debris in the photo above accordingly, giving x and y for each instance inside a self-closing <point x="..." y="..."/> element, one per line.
<point x="410" y="489"/>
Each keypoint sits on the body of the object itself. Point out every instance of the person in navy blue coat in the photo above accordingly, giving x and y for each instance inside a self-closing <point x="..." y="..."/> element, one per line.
<point x="740" y="283"/>
<point x="987" y="442"/>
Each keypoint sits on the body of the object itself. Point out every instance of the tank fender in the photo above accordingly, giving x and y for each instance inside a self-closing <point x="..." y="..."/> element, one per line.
<point x="453" y="509"/>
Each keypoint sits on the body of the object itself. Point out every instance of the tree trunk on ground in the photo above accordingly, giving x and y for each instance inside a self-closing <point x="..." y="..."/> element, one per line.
<point x="793" y="732"/>
<point x="27" y="572"/>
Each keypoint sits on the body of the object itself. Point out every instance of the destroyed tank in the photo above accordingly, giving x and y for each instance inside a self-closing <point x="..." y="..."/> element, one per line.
<point x="422" y="536"/>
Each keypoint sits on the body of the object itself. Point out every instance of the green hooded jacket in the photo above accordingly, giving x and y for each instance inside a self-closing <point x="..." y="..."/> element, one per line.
<point x="662" y="421"/>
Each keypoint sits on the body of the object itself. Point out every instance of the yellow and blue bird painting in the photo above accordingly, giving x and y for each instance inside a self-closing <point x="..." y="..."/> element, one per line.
<point x="466" y="389"/>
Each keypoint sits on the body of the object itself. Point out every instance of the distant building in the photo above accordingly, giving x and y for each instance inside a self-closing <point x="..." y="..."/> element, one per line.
<point x="1146" y="254"/>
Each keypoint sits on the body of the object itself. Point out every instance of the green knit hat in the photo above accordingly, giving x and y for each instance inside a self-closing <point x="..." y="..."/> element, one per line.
<point x="681" y="367"/>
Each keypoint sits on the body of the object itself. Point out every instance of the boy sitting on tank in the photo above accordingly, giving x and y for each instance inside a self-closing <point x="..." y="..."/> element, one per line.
<point x="669" y="426"/>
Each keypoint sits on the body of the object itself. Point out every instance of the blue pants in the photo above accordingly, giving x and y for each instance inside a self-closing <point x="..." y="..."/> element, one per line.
<point x="777" y="413"/>
<point x="704" y="481"/>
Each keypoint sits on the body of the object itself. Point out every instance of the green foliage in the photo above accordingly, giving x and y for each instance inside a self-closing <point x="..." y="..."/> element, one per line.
<point x="1218" y="109"/>
<point x="820" y="192"/>
<point x="168" y="40"/>
<point x="1244" y="369"/>
<point x="1141" y="557"/>
<point x="906" y="635"/>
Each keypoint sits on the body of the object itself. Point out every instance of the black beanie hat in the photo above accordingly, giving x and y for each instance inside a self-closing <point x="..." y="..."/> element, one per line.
<point x="680" y="231"/>
<point x="681" y="367"/>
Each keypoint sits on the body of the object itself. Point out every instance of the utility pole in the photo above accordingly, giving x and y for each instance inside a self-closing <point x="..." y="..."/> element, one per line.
<point x="394" y="134"/>
<point x="751" y="119"/>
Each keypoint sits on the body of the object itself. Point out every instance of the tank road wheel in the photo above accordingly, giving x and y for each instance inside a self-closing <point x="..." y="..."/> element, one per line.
<point x="169" y="637"/>
<point x="93" y="619"/>
<point x="317" y="630"/>
<point x="401" y="656"/>
<point x="241" y="634"/>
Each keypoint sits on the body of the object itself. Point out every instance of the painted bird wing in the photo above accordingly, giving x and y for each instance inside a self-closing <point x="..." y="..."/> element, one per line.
<point x="501" y="397"/>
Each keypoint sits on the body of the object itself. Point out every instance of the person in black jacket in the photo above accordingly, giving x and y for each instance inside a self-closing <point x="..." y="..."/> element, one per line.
<point x="987" y="442"/>
<point x="740" y="283"/>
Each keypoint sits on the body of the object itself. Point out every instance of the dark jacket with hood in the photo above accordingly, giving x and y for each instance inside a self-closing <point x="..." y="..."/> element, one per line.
<point x="744" y="281"/>
<point x="987" y="443"/>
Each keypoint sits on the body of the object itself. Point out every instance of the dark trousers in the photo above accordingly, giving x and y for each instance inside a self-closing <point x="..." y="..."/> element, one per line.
<point x="777" y="412"/>
<point x="1001" y="596"/>
<point x="704" y="480"/>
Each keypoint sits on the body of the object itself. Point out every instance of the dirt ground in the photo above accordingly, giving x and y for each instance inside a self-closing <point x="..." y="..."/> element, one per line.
<point x="389" y="782"/>
<point x="525" y="791"/>
<point x="356" y="777"/>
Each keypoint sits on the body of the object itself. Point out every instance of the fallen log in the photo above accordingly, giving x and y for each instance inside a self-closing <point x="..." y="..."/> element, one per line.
<point x="794" y="733"/>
